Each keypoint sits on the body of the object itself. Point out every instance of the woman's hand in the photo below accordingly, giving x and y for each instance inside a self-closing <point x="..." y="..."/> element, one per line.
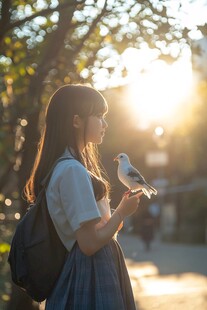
<point x="129" y="205"/>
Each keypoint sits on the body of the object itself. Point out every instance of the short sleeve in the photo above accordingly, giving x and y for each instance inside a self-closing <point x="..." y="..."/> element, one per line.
<point x="77" y="196"/>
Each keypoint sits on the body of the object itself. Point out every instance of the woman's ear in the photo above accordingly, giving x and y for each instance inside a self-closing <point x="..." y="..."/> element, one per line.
<point x="77" y="121"/>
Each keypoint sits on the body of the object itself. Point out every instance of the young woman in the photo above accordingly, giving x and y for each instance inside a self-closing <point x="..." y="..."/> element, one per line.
<point x="94" y="275"/>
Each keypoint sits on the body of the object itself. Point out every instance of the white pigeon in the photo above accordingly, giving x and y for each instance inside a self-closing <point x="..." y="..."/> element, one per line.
<point x="132" y="178"/>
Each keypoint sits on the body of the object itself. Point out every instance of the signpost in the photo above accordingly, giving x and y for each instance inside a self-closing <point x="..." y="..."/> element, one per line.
<point x="157" y="159"/>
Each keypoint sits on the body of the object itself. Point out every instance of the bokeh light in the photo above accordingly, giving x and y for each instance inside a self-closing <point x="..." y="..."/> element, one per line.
<point x="8" y="202"/>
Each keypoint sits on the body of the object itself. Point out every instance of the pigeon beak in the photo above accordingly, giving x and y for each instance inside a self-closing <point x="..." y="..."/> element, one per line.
<point x="116" y="159"/>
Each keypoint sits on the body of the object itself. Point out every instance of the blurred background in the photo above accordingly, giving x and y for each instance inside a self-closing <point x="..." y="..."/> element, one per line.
<point x="149" y="59"/>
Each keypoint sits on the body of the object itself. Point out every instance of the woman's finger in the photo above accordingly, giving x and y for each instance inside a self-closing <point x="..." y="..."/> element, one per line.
<point x="139" y="194"/>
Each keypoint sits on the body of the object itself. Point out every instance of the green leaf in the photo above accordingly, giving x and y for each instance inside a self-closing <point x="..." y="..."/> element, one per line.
<point x="4" y="247"/>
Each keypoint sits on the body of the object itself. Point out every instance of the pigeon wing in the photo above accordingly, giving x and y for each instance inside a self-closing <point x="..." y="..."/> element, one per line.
<point x="135" y="175"/>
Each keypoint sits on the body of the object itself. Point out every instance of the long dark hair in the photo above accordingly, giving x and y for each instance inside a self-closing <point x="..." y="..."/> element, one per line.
<point x="58" y="134"/>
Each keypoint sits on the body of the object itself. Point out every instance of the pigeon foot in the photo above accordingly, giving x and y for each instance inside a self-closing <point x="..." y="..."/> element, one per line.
<point x="127" y="193"/>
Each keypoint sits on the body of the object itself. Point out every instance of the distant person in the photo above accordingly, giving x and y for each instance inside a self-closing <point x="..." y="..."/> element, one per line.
<point x="94" y="275"/>
<point x="147" y="229"/>
<point x="154" y="210"/>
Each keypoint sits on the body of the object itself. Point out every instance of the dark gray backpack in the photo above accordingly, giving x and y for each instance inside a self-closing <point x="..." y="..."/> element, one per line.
<point x="37" y="255"/>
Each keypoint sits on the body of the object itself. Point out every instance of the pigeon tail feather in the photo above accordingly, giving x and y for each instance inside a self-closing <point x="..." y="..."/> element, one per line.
<point x="152" y="189"/>
<point x="146" y="192"/>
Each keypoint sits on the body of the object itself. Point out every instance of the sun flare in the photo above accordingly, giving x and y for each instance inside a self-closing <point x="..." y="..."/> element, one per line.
<point x="156" y="93"/>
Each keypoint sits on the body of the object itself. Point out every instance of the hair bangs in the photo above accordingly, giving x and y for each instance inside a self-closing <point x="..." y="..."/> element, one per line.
<point x="99" y="106"/>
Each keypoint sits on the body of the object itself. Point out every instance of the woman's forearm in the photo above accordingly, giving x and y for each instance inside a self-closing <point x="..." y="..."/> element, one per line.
<point x="91" y="239"/>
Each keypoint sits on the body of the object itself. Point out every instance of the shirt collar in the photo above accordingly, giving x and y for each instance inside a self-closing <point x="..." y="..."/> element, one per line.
<point x="69" y="152"/>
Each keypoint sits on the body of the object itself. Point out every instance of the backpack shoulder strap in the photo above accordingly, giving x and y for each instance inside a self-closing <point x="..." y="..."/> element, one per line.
<point x="45" y="181"/>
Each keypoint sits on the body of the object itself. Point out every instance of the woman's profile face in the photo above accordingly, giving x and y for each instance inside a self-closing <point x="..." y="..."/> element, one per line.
<point x="95" y="129"/>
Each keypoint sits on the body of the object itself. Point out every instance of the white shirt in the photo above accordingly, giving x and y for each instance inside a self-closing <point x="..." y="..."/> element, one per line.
<point x="71" y="200"/>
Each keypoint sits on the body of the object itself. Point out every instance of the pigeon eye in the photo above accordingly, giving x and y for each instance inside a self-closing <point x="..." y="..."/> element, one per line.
<point x="121" y="156"/>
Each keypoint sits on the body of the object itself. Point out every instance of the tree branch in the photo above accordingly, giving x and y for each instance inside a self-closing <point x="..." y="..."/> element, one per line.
<point x="59" y="35"/>
<point x="56" y="41"/>
<point x="9" y="26"/>
<point x="98" y="18"/>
